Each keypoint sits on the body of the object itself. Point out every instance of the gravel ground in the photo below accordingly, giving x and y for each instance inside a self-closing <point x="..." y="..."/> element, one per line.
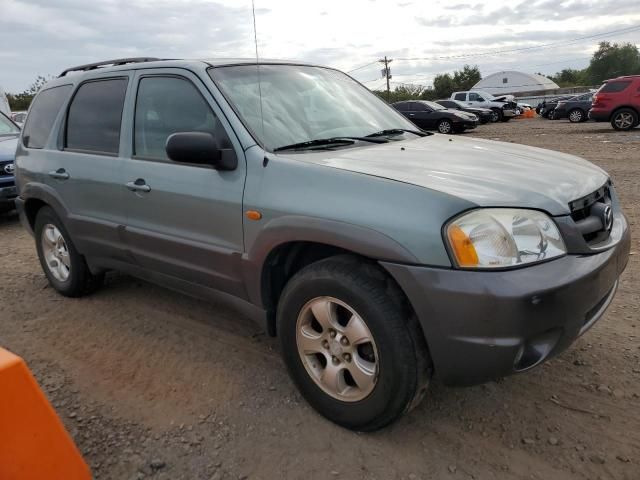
<point x="152" y="384"/>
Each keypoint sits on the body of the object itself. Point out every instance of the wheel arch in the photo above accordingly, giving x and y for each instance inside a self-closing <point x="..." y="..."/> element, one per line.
<point x="288" y="244"/>
<point x="36" y="196"/>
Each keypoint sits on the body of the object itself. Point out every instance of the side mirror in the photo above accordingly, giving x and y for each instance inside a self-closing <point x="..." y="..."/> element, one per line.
<point x="200" y="148"/>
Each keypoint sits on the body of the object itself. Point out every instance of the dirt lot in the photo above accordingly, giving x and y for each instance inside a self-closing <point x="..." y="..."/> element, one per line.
<point x="152" y="384"/>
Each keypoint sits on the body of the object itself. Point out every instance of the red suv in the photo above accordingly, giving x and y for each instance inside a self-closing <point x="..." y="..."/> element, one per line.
<point x="618" y="102"/>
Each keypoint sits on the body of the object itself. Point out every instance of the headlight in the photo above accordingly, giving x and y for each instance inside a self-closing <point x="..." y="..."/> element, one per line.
<point x="503" y="237"/>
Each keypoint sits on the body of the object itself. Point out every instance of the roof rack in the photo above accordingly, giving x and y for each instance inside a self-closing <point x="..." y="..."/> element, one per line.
<point x="118" y="61"/>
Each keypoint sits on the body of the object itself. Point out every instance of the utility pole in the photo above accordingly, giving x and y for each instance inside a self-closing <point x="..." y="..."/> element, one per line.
<point x="386" y="73"/>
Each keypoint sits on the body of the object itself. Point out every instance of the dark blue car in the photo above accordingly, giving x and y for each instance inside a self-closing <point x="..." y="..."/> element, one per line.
<point x="9" y="133"/>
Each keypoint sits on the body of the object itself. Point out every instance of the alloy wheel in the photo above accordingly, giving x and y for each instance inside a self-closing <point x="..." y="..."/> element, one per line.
<point x="56" y="253"/>
<point x="575" y="116"/>
<point x="337" y="349"/>
<point x="623" y="120"/>
<point x="444" y="127"/>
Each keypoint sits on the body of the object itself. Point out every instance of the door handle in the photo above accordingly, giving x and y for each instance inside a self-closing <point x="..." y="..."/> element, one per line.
<point x="59" y="174"/>
<point x="138" y="186"/>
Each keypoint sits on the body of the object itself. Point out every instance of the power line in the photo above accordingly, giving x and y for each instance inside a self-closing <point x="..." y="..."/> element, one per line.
<point x="362" y="66"/>
<point x="534" y="47"/>
<point x="513" y="50"/>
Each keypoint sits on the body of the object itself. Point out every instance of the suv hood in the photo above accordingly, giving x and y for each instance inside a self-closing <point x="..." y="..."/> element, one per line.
<point x="8" y="146"/>
<point x="484" y="172"/>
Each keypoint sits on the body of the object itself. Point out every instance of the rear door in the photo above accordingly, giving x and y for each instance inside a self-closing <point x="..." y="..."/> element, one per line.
<point x="188" y="225"/>
<point x="83" y="165"/>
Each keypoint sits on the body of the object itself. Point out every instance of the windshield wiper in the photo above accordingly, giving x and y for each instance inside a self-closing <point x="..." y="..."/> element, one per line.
<point x="328" y="141"/>
<point x="398" y="131"/>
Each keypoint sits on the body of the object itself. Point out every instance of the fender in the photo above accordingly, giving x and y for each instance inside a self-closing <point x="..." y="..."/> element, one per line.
<point x="46" y="194"/>
<point x="295" y="228"/>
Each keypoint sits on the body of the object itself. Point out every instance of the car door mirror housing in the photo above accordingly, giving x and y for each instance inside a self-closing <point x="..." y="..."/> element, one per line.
<point x="200" y="148"/>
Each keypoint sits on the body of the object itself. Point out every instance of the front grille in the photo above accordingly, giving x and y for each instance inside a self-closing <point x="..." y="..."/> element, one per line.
<point x="589" y="214"/>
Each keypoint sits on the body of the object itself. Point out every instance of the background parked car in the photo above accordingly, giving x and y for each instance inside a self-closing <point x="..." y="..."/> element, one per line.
<point x="433" y="116"/>
<point x="503" y="109"/>
<point x="576" y="109"/>
<point x="19" y="117"/>
<point x="618" y="102"/>
<point x="547" y="107"/>
<point x="9" y="133"/>
<point x="484" y="114"/>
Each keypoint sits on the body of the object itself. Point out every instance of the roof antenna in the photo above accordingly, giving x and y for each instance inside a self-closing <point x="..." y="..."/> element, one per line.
<point x="255" y="38"/>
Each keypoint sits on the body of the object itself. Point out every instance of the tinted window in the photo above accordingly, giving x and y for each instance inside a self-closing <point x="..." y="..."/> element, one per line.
<point x="461" y="96"/>
<point x="474" y="97"/>
<point x="613" y="87"/>
<point x="402" y="107"/>
<point x="95" y="114"/>
<point x="167" y="105"/>
<point x="44" y="111"/>
<point x="419" y="107"/>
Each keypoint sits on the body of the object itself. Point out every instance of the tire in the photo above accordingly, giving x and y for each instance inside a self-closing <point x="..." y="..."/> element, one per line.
<point x="576" y="115"/>
<point x="624" y="119"/>
<point x="551" y="115"/>
<point x="71" y="277"/>
<point x="397" y="352"/>
<point x="496" y="116"/>
<point x="445" y="126"/>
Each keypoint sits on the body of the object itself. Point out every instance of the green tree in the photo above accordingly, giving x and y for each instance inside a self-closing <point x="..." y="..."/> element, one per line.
<point x="570" y="77"/>
<point x="466" y="78"/>
<point x="613" y="60"/>
<point x="443" y="85"/>
<point x="21" y="101"/>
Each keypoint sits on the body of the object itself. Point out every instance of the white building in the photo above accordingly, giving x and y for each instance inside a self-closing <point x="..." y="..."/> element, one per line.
<point x="510" y="81"/>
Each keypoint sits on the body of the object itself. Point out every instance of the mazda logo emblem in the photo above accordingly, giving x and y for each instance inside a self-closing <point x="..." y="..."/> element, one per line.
<point x="607" y="218"/>
<point x="10" y="168"/>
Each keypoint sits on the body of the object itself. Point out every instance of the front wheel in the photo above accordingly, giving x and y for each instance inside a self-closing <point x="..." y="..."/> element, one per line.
<point x="624" y="119"/>
<point x="496" y="115"/>
<point x="64" y="267"/>
<point x="354" y="352"/>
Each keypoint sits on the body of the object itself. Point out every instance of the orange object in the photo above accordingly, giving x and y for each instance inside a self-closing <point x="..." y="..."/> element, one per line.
<point x="253" y="215"/>
<point x="463" y="249"/>
<point x="34" y="444"/>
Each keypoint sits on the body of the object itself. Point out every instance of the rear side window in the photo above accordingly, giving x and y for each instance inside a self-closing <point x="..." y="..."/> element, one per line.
<point x="461" y="96"/>
<point x="95" y="114"/>
<point x="613" y="87"/>
<point x="402" y="107"/>
<point x="167" y="105"/>
<point x="44" y="111"/>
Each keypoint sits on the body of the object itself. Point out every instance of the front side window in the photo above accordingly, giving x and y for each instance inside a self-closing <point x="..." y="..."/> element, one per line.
<point x="432" y="105"/>
<point x="474" y="97"/>
<point x="95" y="115"/>
<point x="167" y="105"/>
<point x="303" y="103"/>
<point x="44" y="111"/>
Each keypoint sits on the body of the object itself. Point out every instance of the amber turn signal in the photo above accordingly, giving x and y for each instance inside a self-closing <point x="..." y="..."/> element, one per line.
<point x="253" y="215"/>
<point x="463" y="248"/>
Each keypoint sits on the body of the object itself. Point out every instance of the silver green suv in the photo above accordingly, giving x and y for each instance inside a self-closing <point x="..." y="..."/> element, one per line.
<point x="380" y="255"/>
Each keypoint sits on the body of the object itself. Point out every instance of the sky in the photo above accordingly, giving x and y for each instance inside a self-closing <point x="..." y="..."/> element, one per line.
<point x="423" y="37"/>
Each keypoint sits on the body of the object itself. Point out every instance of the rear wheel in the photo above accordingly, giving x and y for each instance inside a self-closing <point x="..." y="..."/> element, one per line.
<point x="355" y="353"/>
<point x="64" y="267"/>
<point x="624" y="119"/>
<point x="445" y="126"/>
<point x="576" y="115"/>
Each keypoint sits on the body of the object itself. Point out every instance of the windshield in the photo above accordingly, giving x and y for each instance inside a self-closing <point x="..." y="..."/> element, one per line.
<point x="7" y="127"/>
<point x="303" y="103"/>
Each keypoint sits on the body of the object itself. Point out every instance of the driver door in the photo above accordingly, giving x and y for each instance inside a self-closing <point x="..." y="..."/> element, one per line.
<point x="184" y="221"/>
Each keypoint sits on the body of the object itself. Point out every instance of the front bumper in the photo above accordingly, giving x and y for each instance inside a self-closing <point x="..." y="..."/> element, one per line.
<point x="560" y="112"/>
<point x="484" y="325"/>
<point x="8" y="194"/>
<point x="465" y="124"/>
<point x="508" y="112"/>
